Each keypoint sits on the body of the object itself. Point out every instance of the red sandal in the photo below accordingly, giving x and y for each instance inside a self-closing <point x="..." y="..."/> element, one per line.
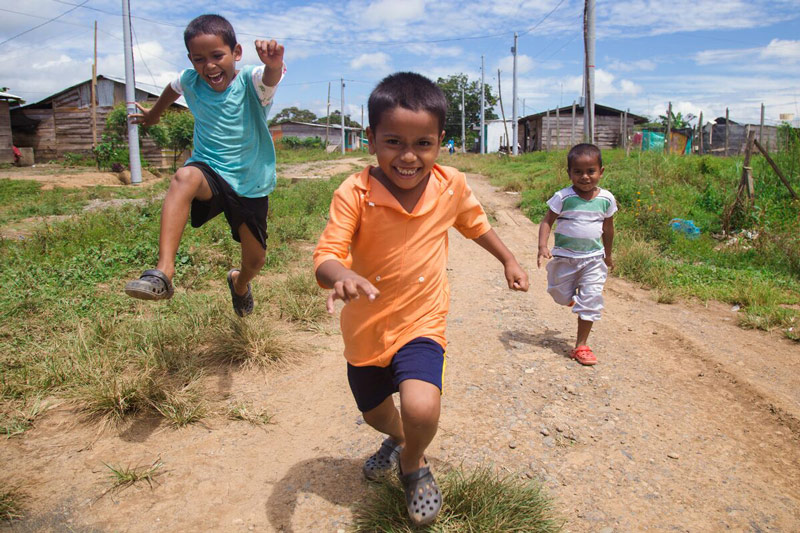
<point x="584" y="355"/>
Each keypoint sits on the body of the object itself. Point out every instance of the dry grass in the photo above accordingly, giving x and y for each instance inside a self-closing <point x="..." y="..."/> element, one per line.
<point x="246" y="412"/>
<point x="125" y="476"/>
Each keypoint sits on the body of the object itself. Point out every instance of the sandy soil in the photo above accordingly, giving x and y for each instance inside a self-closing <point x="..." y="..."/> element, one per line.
<point x="52" y="176"/>
<point x="687" y="424"/>
<point x="322" y="169"/>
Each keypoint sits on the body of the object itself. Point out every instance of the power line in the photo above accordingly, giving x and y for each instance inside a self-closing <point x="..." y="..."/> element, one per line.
<point x="541" y="21"/>
<point x="44" y="23"/>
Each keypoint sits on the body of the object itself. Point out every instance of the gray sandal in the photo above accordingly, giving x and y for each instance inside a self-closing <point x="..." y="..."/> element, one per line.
<point x="151" y="285"/>
<point x="423" y="497"/>
<point x="383" y="461"/>
<point x="242" y="305"/>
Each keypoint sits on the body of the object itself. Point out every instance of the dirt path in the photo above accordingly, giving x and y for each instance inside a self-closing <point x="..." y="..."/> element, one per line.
<point x="688" y="423"/>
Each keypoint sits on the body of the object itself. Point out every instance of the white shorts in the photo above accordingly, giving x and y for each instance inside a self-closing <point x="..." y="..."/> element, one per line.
<point x="578" y="280"/>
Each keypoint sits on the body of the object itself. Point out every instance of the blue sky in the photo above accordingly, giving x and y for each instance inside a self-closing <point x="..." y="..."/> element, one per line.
<point x="702" y="55"/>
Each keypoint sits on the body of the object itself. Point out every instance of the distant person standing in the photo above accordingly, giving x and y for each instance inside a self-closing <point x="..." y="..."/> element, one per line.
<point x="584" y="236"/>
<point x="232" y="167"/>
<point x="451" y="146"/>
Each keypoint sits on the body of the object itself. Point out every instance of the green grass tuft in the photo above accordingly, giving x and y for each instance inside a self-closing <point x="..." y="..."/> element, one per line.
<point x="300" y="300"/>
<point x="10" y="504"/>
<point x="125" y="476"/>
<point x="245" y="411"/>
<point x="478" y="500"/>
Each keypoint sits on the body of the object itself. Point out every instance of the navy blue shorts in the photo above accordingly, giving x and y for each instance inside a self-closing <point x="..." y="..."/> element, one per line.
<point x="421" y="359"/>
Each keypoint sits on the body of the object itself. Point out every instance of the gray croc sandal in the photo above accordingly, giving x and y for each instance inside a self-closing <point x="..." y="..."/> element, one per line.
<point x="383" y="461"/>
<point x="242" y="305"/>
<point x="151" y="285"/>
<point x="423" y="497"/>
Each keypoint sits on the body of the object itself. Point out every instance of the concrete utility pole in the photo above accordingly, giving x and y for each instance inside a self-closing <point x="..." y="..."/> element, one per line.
<point x="343" y="132"/>
<point x="463" y="124"/>
<point x="589" y="38"/>
<point x="130" y="97"/>
<point x="483" y="142"/>
<point x="94" y="90"/>
<point x="514" y="116"/>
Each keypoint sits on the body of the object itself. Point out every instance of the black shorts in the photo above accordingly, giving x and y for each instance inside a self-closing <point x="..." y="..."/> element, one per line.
<point x="238" y="209"/>
<point x="421" y="359"/>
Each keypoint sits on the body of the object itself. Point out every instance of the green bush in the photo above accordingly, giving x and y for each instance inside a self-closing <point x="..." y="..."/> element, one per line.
<point x="296" y="142"/>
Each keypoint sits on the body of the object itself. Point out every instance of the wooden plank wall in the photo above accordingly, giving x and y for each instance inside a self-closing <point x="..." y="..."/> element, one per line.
<point x="6" y="154"/>
<point x="607" y="132"/>
<point x="71" y="132"/>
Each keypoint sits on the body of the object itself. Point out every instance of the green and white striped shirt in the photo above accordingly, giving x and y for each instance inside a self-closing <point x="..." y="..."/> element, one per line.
<point x="579" y="226"/>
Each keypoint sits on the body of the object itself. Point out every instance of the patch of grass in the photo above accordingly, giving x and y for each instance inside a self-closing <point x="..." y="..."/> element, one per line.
<point x="249" y="342"/>
<point x="21" y="420"/>
<point x="299" y="299"/>
<point x="182" y="407"/>
<point x="125" y="476"/>
<point x="246" y="412"/>
<point x="479" y="500"/>
<point x="10" y="504"/>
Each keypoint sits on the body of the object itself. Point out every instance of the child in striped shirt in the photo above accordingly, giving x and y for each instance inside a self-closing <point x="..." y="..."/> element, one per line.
<point x="584" y="235"/>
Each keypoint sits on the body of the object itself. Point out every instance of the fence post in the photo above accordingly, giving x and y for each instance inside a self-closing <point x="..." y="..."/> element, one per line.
<point x="669" y="129"/>
<point x="572" y="131"/>
<point x="547" y="135"/>
<point x="727" y="130"/>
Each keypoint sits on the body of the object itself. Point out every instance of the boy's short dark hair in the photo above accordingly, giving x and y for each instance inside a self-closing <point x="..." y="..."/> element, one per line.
<point x="210" y="25"/>
<point x="408" y="90"/>
<point x="584" y="150"/>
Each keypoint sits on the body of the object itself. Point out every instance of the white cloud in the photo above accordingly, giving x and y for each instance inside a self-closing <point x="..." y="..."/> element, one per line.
<point x="524" y="64"/>
<point x="788" y="51"/>
<point x="377" y="61"/>
<point x="631" y="66"/>
<point x="393" y="12"/>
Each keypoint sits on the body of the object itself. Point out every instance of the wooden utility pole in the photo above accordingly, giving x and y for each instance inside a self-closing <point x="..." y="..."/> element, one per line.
<point x="761" y="126"/>
<point x="625" y="130"/>
<point x="361" y="136"/>
<point x="94" y="90"/>
<point x="502" y="112"/>
<point x="589" y="41"/>
<point x="669" y="129"/>
<point x="463" y="124"/>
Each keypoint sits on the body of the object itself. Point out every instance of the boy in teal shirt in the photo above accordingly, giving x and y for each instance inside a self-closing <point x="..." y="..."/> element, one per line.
<point x="232" y="167"/>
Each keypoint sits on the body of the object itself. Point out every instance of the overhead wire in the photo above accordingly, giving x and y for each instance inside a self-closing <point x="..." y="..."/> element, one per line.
<point x="43" y="23"/>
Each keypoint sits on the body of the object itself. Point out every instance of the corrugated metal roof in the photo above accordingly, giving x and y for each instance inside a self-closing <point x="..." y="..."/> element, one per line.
<point x="139" y="87"/>
<point x="9" y="96"/>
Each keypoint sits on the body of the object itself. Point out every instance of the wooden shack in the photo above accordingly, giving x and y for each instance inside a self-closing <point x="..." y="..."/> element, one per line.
<point x="561" y="128"/>
<point x="62" y="122"/>
<point x="6" y="101"/>
<point x="721" y="138"/>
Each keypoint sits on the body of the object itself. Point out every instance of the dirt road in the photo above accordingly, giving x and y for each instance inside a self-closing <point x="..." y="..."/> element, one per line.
<point x="687" y="424"/>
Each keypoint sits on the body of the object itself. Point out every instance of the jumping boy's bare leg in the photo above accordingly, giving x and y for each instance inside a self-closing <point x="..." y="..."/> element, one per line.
<point x="420" y="405"/>
<point x="253" y="256"/>
<point x="386" y="419"/>
<point x="584" y="328"/>
<point x="187" y="184"/>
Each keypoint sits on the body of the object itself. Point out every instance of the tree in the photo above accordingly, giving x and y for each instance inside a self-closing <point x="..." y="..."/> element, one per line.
<point x="175" y="132"/>
<point x="678" y="121"/>
<point x="336" y="120"/>
<point x="293" y="114"/>
<point x="451" y="86"/>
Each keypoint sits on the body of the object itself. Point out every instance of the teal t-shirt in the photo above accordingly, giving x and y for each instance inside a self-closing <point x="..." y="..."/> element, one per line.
<point x="231" y="133"/>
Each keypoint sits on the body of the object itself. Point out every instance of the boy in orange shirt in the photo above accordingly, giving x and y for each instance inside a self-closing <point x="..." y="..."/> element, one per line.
<point x="384" y="253"/>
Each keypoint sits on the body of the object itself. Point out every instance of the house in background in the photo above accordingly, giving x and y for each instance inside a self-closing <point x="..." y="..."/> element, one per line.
<point x="62" y="122"/>
<point x="498" y="132"/>
<point x="6" y="152"/>
<point x="307" y="130"/>
<point x="559" y="129"/>
<point x="715" y="135"/>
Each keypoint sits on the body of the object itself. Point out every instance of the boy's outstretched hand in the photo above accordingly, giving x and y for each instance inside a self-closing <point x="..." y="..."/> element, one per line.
<point x="351" y="288"/>
<point x="270" y="53"/>
<point x="145" y="118"/>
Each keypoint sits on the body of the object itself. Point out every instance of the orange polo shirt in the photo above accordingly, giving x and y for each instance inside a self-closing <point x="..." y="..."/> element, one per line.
<point x="403" y="254"/>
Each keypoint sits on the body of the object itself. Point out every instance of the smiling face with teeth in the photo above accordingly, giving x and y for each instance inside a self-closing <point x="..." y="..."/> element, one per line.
<point x="214" y="60"/>
<point x="406" y="144"/>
